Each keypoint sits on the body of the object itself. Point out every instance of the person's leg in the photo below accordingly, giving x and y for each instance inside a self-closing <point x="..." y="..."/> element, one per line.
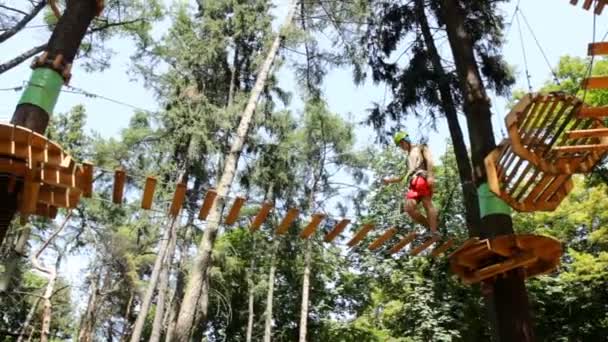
<point x="412" y="210"/>
<point x="431" y="213"/>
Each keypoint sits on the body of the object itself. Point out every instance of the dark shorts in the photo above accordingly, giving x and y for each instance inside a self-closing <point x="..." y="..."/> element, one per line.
<point x="419" y="188"/>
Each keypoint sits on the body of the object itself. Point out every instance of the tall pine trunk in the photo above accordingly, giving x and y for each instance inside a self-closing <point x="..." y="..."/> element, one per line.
<point x="305" y="292"/>
<point x="250" y="296"/>
<point x="507" y="299"/>
<point x="28" y="320"/>
<point x="162" y="289"/>
<point x="47" y="304"/>
<point x="199" y="277"/>
<point x="124" y="336"/>
<point x="87" y="324"/>
<point x="270" y="293"/>
<point x="147" y="299"/>
<point x="448" y="106"/>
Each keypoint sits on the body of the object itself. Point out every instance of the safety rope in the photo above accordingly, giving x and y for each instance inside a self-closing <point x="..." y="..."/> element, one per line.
<point x="523" y="50"/>
<point x="542" y="51"/>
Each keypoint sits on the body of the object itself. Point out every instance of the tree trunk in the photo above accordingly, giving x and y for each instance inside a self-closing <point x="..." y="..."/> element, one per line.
<point x="47" y="310"/>
<point x="28" y="320"/>
<point x="471" y="204"/>
<point x="162" y="288"/>
<point x="87" y="324"/>
<point x="251" y="298"/>
<point x="507" y="299"/>
<point x="179" y="287"/>
<point x="305" y="291"/>
<point x="270" y="294"/>
<point x="198" y="276"/>
<point x="147" y="299"/>
<point x="127" y="318"/>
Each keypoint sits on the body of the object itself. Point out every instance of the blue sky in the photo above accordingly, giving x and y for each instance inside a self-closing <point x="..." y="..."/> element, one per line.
<point x="560" y="27"/>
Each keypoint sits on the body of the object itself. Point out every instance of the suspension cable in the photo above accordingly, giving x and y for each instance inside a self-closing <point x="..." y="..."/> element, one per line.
<point x="523" y="51"/>
<point x="542" y="51"/>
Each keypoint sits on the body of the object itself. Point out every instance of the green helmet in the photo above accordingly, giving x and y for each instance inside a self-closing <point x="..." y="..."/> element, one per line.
<point x="401" y="136"/>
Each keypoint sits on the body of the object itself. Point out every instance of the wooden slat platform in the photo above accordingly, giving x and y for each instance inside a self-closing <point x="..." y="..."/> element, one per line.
<point x="442" y="248"/>
<point x="339" y="228"/>
<point x="597" y="49"/>
<point x="233" y="214"/>
<point x="593" y="112"/>
<point x="148" y="196"/>
<point x="361" y="234"/>
<point x="178" y="199"/>
<point x="588" y="133"/>
<point x="87" y="180"/>
<point x="479" y="260"/>
<point x="596" y="5"/>
<point x="260" y="218"/>
<point x="120" y="178"/>
<point x="402" y="243"/>
<point x="207" y="204"/>
<point x="424" y="245"/>
<point x="312" y="225"/>
<point x="382" y="239"/>
<point x="595" y="83"/>
<point x="289" y="218"/>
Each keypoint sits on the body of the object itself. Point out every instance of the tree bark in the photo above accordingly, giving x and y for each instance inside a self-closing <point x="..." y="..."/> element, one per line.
<point x="471" y="204"/>
<point x="127" y="318"/>
<point x="506" y="299"/>
<point x="24" y="21"/>
<point x="162" y="289"/>
<point x="47" y="304"/>
<point x="8" y="65"/>
<point x="270" y="293"/>
<point x="199" y="275"/>
<point x="147" y="299"/>
<point x="87" y="323"/>
<point x="250" y="296"/>
<point x="28" y="320"/>
<point x="305" y="291"/>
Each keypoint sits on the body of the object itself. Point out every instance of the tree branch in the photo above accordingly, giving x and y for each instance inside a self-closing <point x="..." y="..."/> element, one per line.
<point x="21" y="24"/>
<point x="19" y="59"/>
<point x="13" y="9"/>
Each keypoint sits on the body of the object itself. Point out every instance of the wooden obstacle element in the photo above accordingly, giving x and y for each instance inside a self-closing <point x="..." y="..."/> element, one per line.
<point x="260" y="218"/>
<point x="588" y="133"/>
<point x="178" y="199"/>
<point x="338" y="228"/>
<point x="597" y="49"/>
<point x="291" y="216"/>
<point x="402" y="243"/>
<point x="149" y="189"/>
<point x="361" y="234"/>
<point x="587" y="4"/>
<point x="49" y="178"/>
<point x="87" y="180"/>
<point x="424" y="245"/>
<point x="593" y="112"/>
<point x="312" y="225"/>
<point x="382" y="239"/>
<point x="521" y="185"/>
<point x="594" y="83"/>
<point x="233" y="214"/>
<point x="120" y="178"/>
<point x="480" y="260"/>
<point x="207" y="204"/>
<point x="442" y="248"/>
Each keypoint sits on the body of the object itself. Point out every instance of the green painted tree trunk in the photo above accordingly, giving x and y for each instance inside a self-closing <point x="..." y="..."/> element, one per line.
<point x="507" y="298"/>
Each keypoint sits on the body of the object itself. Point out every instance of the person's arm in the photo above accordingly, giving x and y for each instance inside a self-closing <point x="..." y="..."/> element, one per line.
<point x="392" y="180"/>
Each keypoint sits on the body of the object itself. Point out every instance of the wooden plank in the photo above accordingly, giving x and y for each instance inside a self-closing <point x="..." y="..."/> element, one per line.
<point x="260" y="218"/>
<point x="521" y="260"/>
<point x="382" y="239"/>
<point x="599" y="7"/>
<point x="587" y="133"/>
<point x="12" y="166"/>
<point x="581" y="148"/>
<point x="58" y="197"/>
<point x="312" y="226"/>
<point x="291" y="216"/>
<point x="339" y="228"/>
<point x="148" y="196"/>
<point x="597" y="49"/>
<point x="233" y="214"/>
<point x="58" y="177"/>
<point x="592" y="112"/>
<point x="120" y="178"/>
<point x="587" y="4"/>
<point x="441" y="249"/>
<point x="426" y="244"/>
<point x="404" y="242"/>
<point x="598" y="82"/>
<point x="86" y="180"/>
<point x="361" y="234"/>
<point x="178" y="199"/>
<point x="207" y="203"/>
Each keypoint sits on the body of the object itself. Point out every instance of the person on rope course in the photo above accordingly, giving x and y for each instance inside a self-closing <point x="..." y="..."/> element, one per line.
<point x="420" y="179"/>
